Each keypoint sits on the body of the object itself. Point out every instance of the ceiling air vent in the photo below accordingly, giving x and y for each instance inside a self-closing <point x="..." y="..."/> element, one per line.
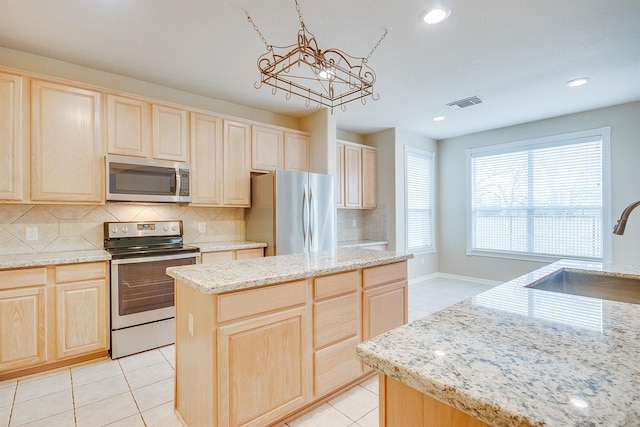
<point x="464" y="103"/>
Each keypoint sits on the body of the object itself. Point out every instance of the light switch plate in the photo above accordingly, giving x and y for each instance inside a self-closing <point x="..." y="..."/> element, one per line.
<point x="202" y="227"/>
<point x="32" y="233"/>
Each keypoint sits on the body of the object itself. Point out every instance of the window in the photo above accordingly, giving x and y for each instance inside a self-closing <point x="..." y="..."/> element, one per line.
<point x="542" y="198"/>
<point x="419" y="200"/>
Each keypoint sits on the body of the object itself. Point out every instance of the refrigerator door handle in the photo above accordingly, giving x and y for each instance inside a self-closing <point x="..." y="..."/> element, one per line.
<point x="305" y="218"/>
<point x="311" y="219"/>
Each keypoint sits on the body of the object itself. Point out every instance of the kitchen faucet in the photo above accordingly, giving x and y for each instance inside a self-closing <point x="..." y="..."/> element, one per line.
<point x="622" y="222"/>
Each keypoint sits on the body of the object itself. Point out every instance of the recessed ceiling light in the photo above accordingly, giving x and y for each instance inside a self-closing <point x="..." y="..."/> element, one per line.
<point x="438" y="118"/>
<point x="577" y="82"/>
<point x="435" y="15"/>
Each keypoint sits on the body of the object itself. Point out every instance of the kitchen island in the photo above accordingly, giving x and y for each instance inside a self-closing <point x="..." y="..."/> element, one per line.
<point x="259" y="340"/>
<point x="515" y="356"/>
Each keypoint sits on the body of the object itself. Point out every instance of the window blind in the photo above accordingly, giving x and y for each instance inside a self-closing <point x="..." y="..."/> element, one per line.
<point x="419" y="200"/>
<point x="539" y="198"/>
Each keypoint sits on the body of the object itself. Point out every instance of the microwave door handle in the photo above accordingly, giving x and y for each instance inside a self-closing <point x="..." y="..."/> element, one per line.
<point x="178" y="179"/>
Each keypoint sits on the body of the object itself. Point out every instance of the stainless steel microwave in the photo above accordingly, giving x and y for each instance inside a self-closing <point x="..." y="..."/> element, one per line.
<point x="134" y="179"/>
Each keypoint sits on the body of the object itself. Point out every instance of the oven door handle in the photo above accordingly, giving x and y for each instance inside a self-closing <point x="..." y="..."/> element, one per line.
<point x="139" y="260"/>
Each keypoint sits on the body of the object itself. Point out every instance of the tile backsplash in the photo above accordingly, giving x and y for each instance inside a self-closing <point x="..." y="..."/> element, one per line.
<point x="359" y="224"/>
<point x="80" y="227"/>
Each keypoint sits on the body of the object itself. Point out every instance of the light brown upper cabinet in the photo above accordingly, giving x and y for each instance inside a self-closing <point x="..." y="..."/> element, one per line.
<point x="169" y="133"/>
<point x="207" y="164"/>
<point x="356" y="176"/>
<point x="236" y="189"/>
<point x="369" y="198"/>
<point x="267" y="148"/>
<point x="12" y="143"/>
<point x="352" y="176"/>
<point x="296" y="151"/>
<point x="66" y="145"/>
<point x="339" y="178"/>
<point x="137" y="128"/>
<point x="274" y="148"/>
<point x="128" y="126"/>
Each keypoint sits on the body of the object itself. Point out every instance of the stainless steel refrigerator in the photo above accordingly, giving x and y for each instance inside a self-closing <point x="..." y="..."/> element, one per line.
<point x="293" y="212"/>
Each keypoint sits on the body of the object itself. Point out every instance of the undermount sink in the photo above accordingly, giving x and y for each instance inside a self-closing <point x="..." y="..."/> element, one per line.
<point x="595" y="285"/>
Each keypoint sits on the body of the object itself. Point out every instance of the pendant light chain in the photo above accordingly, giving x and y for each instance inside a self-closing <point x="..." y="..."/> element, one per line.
<point x="377" y="44"/>
<point x="299" y="14"/>
<point x="255" y="27"/>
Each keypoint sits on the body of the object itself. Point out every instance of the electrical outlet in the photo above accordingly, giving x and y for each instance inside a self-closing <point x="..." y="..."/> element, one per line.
<point x="32" y="233"/>
<point x="202" y="227"/>
<point x="353" y="222"/>
<point x="190" y="324"/>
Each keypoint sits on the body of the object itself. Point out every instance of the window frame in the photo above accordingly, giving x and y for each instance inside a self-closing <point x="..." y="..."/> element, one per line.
<point x="604" y="133"/>
<point x="409" y="150"/>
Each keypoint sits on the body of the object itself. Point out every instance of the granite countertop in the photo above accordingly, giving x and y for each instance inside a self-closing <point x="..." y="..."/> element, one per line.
<point x="516" y="356"/>
<point x="227" y="246"/>
<point x="249" y="273"/>
<point x="360" y="243"/>
<point x="52" y="258"/>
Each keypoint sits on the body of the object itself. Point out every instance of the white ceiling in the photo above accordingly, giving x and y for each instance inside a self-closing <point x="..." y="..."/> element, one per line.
<point x="514" y="54"/>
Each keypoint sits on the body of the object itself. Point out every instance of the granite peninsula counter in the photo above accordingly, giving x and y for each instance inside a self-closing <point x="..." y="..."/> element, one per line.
<point x="517" y="356"/>
<point x="259" y="340"/>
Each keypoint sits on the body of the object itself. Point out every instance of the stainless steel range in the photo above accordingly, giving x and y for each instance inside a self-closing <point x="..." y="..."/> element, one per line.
<point x="142" y="298"/>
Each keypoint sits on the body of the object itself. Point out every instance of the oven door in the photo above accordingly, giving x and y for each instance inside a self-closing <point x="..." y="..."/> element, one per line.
<point x="141" y="291"/>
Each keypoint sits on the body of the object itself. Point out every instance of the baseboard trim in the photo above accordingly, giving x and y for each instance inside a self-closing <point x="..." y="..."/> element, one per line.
<point x="455" y="277"/>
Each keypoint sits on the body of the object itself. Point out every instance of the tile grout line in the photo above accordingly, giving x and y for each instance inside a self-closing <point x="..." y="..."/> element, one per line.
<point x="132" y="395"/>
<point x="73" y="398"/>
<point x="13" y="402"/>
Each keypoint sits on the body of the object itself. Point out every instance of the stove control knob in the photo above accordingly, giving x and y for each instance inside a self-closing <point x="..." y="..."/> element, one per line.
<point x="114" y="230"/>
<point x="166" y="228"/>
<point x="125" y="230"/>
<point x="174" y="228"/>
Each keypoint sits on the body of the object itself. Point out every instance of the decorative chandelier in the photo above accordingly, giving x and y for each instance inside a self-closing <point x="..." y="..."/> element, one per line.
<point x="330" y="78"/>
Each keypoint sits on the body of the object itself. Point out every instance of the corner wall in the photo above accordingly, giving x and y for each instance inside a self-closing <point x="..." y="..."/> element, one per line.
<point x="391" y="145"/>
<point x="625" y="185"/>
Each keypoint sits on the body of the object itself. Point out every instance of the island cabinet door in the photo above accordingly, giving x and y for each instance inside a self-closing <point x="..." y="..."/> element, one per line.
<point x="384" y="298"/>
<point x="264" y="368"/>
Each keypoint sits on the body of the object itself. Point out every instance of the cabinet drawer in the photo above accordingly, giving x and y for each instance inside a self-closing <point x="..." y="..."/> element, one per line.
<point x="20" y="278"/>
<point x="336" y="284"/>
<point x="249" y="253"/>
<point x="336" y="319"/>
<point x="381" y="274"/>
<point x="211" y="257"/>
<point x="77" y="272"/>
<point x="247" y="303"/>
<point x="335" y="366"/>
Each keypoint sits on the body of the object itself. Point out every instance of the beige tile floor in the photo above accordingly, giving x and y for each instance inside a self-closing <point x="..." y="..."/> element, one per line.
<point x="138" y="390"/>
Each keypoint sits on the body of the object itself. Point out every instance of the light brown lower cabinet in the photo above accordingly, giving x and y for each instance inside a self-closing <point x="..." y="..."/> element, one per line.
<point x="52" y="316"/>
<point x="256" y="357"/>
<point x="22" y="328"/>
<point x="402" y="406"/>
<point x="218" y="256"/>
<point x="263" y="363"/>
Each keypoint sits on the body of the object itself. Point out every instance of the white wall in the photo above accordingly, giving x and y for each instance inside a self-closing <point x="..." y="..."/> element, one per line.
<point x="625" y="182"/>
<point x="391" y="176"/>
<point x="54" y="68"/>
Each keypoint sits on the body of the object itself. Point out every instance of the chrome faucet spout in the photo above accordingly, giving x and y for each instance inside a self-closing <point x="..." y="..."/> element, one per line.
<point x="622" y="222"/>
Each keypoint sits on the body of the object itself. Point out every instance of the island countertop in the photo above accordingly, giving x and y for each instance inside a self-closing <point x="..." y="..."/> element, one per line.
<point x="250" y="273"/>
<point x="517" y="356"/>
